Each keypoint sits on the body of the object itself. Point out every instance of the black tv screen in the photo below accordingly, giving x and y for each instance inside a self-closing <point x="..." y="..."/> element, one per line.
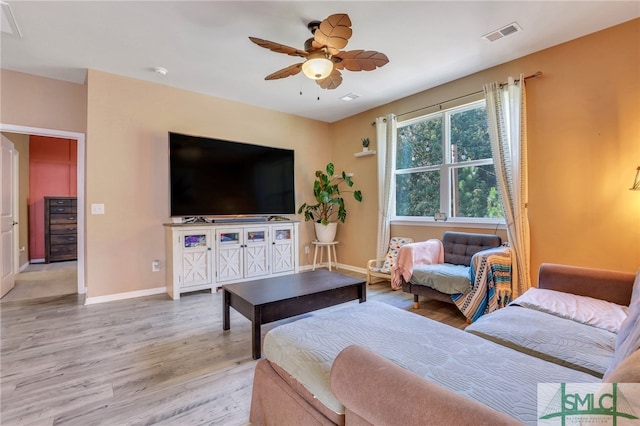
<point x="214" y="177"/>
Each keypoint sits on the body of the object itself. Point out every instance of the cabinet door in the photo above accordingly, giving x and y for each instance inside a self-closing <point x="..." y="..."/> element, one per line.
<point x="229" y="254"/>
<point x="255" y="252"/>
<point x="282" y="249"/>
<point x="196" y="258"/>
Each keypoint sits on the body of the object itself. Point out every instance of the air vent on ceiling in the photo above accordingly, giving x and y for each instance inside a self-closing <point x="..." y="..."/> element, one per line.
<point x="503" y="32"/>
<point x="349" y="97"/>
<point x="8" y="24"/>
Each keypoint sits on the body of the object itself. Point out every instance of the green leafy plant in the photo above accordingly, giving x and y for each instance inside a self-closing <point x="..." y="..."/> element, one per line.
<point x="365" y="143"/>
<point x="329" y="198"/>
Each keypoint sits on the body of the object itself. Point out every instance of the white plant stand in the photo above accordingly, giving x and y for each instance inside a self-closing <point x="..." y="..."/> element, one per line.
<point x="330" y="247"/>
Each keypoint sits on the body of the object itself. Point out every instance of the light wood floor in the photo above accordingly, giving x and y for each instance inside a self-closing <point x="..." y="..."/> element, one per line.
<point x="142" y="361"/>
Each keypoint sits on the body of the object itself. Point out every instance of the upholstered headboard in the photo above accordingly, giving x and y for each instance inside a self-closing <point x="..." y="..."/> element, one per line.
<point x="459" y="247"/>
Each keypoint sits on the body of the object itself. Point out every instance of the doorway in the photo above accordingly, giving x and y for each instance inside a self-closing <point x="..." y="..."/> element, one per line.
<point x="80" y="140"/>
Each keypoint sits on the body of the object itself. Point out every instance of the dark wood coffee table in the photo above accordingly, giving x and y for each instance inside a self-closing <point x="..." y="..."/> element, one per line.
<point x="272" y="299"/>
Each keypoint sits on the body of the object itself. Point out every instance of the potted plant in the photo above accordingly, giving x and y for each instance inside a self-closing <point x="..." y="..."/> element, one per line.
<point x="329" y="204"/>
<point x="365" y="144"/>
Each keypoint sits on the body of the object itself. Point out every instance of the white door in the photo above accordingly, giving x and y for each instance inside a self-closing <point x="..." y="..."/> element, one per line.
<point x="7" y="223"/>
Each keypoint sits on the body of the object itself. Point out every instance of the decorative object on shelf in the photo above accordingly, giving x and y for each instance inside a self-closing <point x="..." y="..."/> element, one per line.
<point x="365" y="144"/>
<point x="636" y="181"/>
<point x="323" y="58"/>
<point x="330" y="202"/>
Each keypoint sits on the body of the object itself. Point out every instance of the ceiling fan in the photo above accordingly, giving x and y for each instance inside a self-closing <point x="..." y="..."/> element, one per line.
<point x="324" y="59"/>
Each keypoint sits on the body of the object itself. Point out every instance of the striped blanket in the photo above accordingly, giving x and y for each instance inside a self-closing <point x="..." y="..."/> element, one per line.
<point x="490" y="275"/>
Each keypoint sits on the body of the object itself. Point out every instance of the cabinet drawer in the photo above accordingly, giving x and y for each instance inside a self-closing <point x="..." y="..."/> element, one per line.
<point x="62" y="209"/>
<point x="62" y="202"/>
<point x="64" y="248"/>
<point x="70" y="228"/>
<point x="63" y="239"/>
<point x="60" y="218"/>
<point x="63" y="252"/>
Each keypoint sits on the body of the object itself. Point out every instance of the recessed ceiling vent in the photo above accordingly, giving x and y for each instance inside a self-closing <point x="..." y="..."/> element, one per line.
<point x="503" y="32"/>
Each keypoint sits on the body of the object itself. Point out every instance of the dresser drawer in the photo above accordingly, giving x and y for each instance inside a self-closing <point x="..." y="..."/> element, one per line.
<point x="59" y="218"/>
<point x="70" y="228"/>
<point x="63" y="202"/>
<point x="63" y="251"/>
<point x="62" y="209"/>
<point x="63" y="239"/>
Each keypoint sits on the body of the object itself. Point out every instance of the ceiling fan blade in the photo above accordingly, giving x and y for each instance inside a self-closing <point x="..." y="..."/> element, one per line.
<point x="362" y="60"/>
<point x="333" y="33"/>
<point x="334" y="80"/>
<point x="285" y="72"/>
<point x="278" y="48"/>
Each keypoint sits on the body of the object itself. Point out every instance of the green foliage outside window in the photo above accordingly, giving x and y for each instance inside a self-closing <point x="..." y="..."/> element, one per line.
<point x="424" y="156"/>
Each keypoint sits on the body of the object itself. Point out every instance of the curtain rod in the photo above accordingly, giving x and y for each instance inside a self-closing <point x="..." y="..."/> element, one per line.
<point x="534" y="75"/>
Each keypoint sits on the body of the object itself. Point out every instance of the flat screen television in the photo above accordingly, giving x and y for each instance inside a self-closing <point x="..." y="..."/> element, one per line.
<point x="213" y="177"/>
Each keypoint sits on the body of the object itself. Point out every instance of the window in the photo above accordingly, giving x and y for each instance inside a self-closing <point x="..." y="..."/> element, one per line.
<point x="444" y="164"/>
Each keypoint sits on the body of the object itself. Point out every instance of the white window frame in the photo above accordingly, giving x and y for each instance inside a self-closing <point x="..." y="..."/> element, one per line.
<point x="445" y="177"/>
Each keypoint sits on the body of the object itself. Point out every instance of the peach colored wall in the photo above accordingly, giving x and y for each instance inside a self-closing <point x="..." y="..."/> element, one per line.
<point x="584" y="146"/>
<point x="31" y="101"/>
<point x="127" y="168"/>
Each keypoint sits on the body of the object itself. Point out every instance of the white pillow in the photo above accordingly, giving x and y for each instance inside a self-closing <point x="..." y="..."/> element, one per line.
<point x="586" y="310"/>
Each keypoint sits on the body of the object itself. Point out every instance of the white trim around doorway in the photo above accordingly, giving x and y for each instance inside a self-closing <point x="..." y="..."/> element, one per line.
<point x="80" y="138"/>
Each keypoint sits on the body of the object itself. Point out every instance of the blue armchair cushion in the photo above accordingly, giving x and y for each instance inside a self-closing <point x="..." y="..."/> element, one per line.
<point x="446" y="278"/>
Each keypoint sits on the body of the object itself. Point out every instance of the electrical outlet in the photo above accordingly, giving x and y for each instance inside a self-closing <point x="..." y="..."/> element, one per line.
<point x="155" y="266"/>
<point x="307" y="249"/>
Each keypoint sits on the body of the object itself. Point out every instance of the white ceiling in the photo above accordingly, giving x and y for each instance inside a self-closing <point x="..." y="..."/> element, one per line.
<point x="205" y="45"/>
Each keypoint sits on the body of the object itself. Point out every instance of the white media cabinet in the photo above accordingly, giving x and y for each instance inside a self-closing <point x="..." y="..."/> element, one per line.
<point x="205" y="255"/>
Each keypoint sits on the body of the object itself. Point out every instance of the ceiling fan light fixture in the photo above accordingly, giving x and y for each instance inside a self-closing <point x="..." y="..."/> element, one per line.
<point x="317" y="66"/>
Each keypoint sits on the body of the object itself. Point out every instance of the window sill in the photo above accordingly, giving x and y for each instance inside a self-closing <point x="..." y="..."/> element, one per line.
<point x="451" y="223"/>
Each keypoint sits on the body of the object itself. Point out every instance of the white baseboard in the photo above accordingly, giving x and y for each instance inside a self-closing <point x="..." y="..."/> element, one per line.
<point x="23" y="267"/>
<point x="333" y="268"/>
<point x="122" y="296"/>
<point x="159" y="290"/>
<point x="37" y="260"/>
<point x="352" y="268"/>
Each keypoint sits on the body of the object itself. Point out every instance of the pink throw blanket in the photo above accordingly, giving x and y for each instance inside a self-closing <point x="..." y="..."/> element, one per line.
<point x="423" y="253"/>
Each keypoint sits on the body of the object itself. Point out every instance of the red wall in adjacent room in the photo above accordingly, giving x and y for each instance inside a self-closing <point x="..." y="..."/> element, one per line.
<point x="52" y="172"/>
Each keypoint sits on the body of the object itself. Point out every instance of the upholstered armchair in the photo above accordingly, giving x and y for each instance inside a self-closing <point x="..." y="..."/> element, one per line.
<point x="383" y="268"/>
<point x="472" y="270"/>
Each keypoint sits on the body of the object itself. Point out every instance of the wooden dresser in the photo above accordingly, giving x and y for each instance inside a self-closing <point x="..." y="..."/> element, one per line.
<point x="60" y="228"/>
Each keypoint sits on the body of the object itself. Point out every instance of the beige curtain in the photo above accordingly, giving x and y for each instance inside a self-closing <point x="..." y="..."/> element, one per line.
<point x="507" y="127"/>
<point x="386" y="128"/>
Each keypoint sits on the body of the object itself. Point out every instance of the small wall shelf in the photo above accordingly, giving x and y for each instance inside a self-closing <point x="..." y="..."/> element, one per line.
<point x="364" y="153"/>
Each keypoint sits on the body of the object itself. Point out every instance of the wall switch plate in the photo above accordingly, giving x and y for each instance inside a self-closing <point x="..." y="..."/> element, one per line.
<point x="155" y="266"/>
<point x="307" y="249"/>
<point x="440" y="216"/>
<point x="97" y="208"/>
